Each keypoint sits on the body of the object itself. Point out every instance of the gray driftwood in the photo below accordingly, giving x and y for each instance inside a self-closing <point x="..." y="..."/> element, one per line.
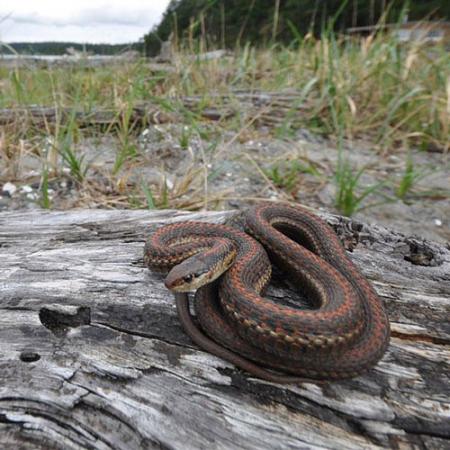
<point x="264" y="108"/>
<point x="93" y="357"/>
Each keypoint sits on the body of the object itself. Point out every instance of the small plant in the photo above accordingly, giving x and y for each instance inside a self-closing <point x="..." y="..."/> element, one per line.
<point x="349" y="195"/>
<point x="64" y="142"/>
<point x="285" y="174"/>
<point x="127" y="148"/>
<point x="286" y="127"/>
<point x="155" y="198"/>
<point x="18" y="86"/>
<point x="185" y="137"/>
<point x="410" y="177"/>
<point x="45" y="198"/>
<point x="148" y="195"/>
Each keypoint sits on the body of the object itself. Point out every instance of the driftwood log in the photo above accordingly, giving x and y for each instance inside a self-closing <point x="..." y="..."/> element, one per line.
<point x="265" y="108"/>
<point x="93" y="357"/>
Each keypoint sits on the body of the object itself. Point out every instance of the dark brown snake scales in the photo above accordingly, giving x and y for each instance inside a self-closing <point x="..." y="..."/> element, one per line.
<point x="345" y="334"/>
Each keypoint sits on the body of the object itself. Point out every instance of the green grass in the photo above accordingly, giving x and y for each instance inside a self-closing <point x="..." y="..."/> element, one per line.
<point x="148" y="195"/>
<point x="286" y="174"/>
<point x="45" y="197"/>
<point x="410" y="177"/>
<point x="350" y="193"/>
<point x="127" y="149"/>
<point x="65" y="144"/>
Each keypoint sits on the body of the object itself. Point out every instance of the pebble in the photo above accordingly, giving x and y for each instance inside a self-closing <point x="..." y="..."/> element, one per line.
<point x="9" y="188"/>
<point x="393" y="159"/>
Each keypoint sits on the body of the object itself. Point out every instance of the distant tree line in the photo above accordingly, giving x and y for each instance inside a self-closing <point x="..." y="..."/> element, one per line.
<point x="60" y="48"/>
<point x="227" y="23"/>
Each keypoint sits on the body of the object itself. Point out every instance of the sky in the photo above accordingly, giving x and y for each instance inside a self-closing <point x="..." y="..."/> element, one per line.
<point x="88" y="21"/>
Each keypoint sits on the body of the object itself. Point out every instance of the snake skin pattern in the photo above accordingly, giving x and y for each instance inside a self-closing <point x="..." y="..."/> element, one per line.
<point x="345" y="334"/>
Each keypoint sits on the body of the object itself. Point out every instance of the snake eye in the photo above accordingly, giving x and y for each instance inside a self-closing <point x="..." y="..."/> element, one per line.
<point x="188" y="278"/>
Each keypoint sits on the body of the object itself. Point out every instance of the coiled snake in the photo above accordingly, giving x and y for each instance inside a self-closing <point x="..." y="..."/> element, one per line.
<point x="345" y="334"/>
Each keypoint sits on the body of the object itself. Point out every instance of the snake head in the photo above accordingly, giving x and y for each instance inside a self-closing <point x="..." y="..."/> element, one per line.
<point x="197" y="271"/>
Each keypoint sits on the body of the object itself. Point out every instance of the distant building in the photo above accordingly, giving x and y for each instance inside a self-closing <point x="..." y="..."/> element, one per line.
<point x="431" y="32"/>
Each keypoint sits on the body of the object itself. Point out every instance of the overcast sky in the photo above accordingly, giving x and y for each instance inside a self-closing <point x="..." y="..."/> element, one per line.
<point x="94" y="21"/>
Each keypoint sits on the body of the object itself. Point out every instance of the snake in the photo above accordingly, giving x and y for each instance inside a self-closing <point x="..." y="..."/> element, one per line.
<point x="344" y="332"/>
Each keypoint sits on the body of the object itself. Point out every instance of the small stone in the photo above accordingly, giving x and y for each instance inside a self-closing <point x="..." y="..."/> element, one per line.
<point x="438" y="222"/>
<point x="26" y="189"/>
<point x="9" y="188"/>
<point x="393" y="159"/>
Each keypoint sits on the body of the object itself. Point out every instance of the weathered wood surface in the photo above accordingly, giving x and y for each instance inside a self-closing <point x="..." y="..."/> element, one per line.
<point x="265" y="108"/>
<point x="144" y="113"/>
<point x="92" y="355"/>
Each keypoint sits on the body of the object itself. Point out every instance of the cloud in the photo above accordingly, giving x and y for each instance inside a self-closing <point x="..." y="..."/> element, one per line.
<point x="81" y="21"/>
<point x="116" y="16"/>
<point x="91" y="16"/>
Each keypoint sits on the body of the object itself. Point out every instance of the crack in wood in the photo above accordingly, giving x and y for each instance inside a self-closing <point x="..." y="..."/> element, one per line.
<point x="436" y="340"/>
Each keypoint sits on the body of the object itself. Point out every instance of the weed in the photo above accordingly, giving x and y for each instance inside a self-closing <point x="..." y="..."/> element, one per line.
<point x="45" y="197"/>
<point x="127" y="146"/>
<point x="148" y="195"/>
<point x="185" y="137"/>
<point x="349" y="193"/>
<point x="18" y="86"/>
<point x="286" y="127"/>
<point x="65" y="145"/>
<point x="410" y="177"/>
<point x="285" y="175"/>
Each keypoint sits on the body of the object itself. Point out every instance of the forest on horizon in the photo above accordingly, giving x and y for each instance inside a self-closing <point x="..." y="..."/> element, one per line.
<point x="227" y="23"/>
<point x="60" y="48"/>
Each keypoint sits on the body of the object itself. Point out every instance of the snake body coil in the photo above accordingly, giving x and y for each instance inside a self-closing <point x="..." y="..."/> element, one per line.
<point x="345" y="334"/>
